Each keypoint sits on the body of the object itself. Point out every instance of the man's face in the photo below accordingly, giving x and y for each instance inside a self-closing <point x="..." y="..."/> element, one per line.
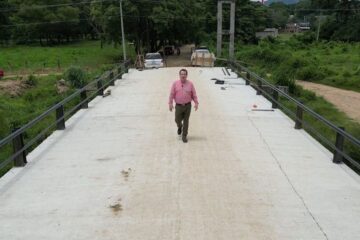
<point x="183" y="76"/>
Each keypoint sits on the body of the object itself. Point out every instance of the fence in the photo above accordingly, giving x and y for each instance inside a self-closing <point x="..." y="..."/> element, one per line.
<point x="345" y="147"/>
<point x="81" y="98"/>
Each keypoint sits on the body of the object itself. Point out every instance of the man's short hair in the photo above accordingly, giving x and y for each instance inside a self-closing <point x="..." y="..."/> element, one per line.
<point x="183" y="70"/>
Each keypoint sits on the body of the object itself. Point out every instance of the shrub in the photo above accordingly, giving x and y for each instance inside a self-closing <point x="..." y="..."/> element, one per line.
<point x="310" y="73"/>
<point x="284" y="78"/>
<point x="31" y="80"/>
<point x="298" y="62"/>
<point x="357" y="71"/>
<point x="4" y="129"/>
<point x="306" y="38"/>
<point x="308" y="95"/>
<point x="76" y="76"/>
<point x="346" y="74"/>
<point x="327" y="71"/>
<point x="265" y="55"/>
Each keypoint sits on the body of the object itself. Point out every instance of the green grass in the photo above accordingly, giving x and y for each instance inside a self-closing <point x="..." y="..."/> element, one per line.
<point x="332" y="63"/>
<point x="30" y="59"/>
<point x="19" y="110"/>
<point x="285" y="36"/>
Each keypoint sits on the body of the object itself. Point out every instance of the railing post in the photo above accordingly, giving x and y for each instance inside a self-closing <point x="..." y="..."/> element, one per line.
<point x="18" y="144"/>
<point x="299" y="117"/>
<point x="100" y="87"/>
<point x="83" y="97"/>
<point x="339" y="144"/>
<point x="112" y="79"/>
<point x="126" y="65"/>
<point x="259" y="87"/>
<point x="247" y="79"/>
<point x="60" y="120"/>
<point x="119" y="73"/>
<point x="275" y="99"/>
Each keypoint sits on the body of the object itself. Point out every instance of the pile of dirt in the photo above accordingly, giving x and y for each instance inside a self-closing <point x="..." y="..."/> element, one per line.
<point x="14" y="88"/>
<point x="61" y="86"/>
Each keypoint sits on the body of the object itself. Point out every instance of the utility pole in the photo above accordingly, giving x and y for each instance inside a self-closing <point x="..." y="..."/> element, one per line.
<point x="219" y="29"/>
<point x="232" y="30"/>
<point x="122" y="31"/>
<point x="319" y="23"/>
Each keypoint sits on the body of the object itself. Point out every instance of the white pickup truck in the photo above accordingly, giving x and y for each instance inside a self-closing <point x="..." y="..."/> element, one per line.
<point x="202" y="57"/>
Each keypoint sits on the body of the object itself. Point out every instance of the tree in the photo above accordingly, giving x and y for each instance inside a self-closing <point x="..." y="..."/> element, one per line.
<point x="278" y="15"/>
<point x="251" y="17"/>
<point x="44" y="20"/>
<point x="4" y="20"/>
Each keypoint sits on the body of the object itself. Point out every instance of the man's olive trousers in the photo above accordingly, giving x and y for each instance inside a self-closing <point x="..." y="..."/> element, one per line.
<point x="182" y="115"/>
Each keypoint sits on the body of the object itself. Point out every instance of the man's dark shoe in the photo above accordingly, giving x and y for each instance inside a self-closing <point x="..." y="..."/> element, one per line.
<point x="184" y="139"/>
<point x="179" y="130"/>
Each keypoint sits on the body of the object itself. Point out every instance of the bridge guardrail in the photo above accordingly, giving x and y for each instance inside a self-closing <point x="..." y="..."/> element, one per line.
<point x="97" y="88"/>
<point x="273" y="94"/>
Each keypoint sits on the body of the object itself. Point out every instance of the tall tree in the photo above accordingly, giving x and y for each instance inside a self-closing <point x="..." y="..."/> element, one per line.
<point x="5" y="12"/>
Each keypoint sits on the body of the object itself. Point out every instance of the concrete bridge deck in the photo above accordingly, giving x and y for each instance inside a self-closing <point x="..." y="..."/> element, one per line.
<point x="119" y="171"/>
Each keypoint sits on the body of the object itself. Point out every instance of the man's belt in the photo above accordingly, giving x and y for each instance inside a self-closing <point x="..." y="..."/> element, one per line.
<point x="184" y="104"/>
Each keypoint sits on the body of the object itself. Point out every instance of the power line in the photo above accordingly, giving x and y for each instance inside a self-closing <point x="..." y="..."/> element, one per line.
<point x="116" y="15"/>
<point x="327" y="10"/>
<point x="51" y="5"/>
<point x="72" y="4"/>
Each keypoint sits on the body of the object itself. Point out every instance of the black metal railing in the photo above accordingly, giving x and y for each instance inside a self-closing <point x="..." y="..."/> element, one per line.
<point x="81" y="97"/>
<point x="274" y="93"/>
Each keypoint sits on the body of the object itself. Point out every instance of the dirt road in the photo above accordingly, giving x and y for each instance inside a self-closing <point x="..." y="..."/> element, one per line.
<point x="345" y="100"/>
<point x="183" y="60"/>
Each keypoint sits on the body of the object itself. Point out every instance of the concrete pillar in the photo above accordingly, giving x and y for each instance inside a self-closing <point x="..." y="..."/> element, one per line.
<point x="232" y="31"/>
<point x="219" y="29"/>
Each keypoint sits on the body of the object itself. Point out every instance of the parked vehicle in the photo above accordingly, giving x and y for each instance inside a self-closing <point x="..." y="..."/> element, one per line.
<point x="1" y="73"/>
<point x="153" y="60"/>
<point x="202" y="57"/>
<point x="169" y="50"/>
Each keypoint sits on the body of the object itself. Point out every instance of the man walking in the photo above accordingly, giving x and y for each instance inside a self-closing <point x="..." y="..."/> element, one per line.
<point x="183" y="92"/>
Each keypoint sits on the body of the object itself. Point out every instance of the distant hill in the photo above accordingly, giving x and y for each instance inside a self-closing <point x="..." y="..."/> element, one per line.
<point x="288" y="2"/>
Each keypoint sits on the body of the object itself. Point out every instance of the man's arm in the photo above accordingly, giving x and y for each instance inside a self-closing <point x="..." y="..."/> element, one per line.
<point x="194" y="97"/>
<point x="171" y="97"/>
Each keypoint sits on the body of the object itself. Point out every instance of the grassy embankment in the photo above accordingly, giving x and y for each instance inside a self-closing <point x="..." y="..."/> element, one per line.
<point x="42" y="92"/>
<point x="35" y="59"/>
<point x="331" y="63"/>
<point x="282" y="61"/>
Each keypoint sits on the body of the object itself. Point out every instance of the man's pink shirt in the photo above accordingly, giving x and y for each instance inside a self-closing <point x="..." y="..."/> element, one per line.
<point x="183" y="93"/>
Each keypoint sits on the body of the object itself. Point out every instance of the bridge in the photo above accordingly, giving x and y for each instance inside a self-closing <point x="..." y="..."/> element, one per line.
<point x="119" y="171"/>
